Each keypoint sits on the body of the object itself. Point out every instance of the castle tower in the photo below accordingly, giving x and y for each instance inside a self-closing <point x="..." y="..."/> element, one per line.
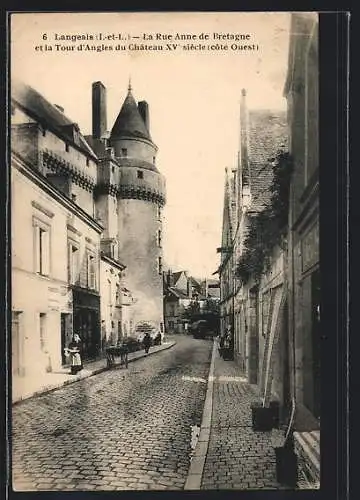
<point x="127" y="171"/>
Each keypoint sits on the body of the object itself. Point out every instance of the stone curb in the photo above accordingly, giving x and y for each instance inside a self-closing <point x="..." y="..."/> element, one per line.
<point x="88" y="374"/>
<point x="194" y="478"/>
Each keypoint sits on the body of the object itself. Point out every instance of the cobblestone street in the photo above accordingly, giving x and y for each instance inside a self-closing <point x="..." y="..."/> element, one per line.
<point x="121" y="429"/>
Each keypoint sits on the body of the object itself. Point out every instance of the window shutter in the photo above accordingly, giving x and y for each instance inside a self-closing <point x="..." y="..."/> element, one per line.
<point x="37" y="248"/>
<point x="91" y="272"/>
<point x="69" y="264"/>
<point x="45" y="252"/>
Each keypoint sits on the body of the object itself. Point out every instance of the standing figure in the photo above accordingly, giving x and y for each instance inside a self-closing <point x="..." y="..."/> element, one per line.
<point x="74" y="350"/>
<point x="147" y="342"/>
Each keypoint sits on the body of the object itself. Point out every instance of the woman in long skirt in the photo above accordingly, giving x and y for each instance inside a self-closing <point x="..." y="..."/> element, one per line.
<point x="74" y="350"/>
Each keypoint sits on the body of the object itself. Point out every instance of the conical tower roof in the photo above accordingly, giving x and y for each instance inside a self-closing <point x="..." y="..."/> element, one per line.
<point x="129" y="121"/>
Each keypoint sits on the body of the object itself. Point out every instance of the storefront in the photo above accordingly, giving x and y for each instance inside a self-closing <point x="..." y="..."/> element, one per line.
<point x="87" y="321"/>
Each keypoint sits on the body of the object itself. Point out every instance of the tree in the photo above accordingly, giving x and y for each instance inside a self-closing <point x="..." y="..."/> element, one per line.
<point x="191" y="311"/>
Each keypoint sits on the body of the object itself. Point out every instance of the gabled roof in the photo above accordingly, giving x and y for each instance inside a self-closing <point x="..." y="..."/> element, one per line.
<point x="48" y="115"/>
<point x="268" y="134"/>
<point x="179" y="294"/>
<point x="176" y="276"/>
<point x="129" y="122"/>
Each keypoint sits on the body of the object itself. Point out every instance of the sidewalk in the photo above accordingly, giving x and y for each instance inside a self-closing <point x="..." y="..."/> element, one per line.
<point x="229" y="454"/>
<point x="27" y="387"/>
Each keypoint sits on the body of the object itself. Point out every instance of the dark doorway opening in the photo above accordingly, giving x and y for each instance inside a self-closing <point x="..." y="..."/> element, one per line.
<point x="66" y="333"/>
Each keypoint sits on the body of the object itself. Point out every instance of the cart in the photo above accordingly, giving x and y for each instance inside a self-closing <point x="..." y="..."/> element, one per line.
<point x="117" y="350"/>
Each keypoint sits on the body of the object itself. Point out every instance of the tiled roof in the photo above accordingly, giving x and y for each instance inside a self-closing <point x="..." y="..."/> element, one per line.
<point x="129" y="121"/>
<point x="267" y="135"/>
<point x="47" y="114"/>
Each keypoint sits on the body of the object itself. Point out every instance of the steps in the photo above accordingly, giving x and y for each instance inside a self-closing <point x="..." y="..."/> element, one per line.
<point x="307" y="448"/>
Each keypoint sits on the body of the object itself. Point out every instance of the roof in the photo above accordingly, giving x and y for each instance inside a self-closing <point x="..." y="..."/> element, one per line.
<point x="267" y="135"/>
<point x="181" y="294"/>
<point x="176" y="275"/>
<point x="48" y="115"/>
<point x="129" y="121"/>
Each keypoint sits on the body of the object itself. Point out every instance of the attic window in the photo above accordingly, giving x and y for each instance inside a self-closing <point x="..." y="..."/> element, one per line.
<point x="44" y="132"/>
<point x="67" y="148"/>
<point x="124" y="152"/>
<point x="154" y="160"/>
<point x="140" y="174"/>
<point x="87" y="161"/>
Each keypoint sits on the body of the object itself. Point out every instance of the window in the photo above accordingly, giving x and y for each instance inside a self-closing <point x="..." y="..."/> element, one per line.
<point x="87" y="161"/>
<point x="154" y="159"/>
<point x="67" y="148"/>
<point x="159" y="212"/>
<point x="160" y="265"/>
<point x="42" y="249"/>
<point x="73" y="197"/>
<point x="42" y="331"/>
<point x="140" y="174"/>
<point x="124" y="152"/>
<point x="91" y="272"/>
<point x="159" y="238"/>
<point x="109" y="294"/>
<point x="118" y="296"/>
<point x="73" y="263"/>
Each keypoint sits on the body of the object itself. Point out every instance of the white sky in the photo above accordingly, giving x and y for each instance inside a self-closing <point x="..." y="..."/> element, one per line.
<point x="193" y="99"/>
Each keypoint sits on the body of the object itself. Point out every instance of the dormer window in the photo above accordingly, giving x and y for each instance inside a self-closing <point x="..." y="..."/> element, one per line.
<point x="124" y="152"/>
<point x="140" y="174"/>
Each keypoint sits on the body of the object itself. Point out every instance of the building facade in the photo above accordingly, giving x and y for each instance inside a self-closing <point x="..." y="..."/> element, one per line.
<point x="182" y="291"/>
<point x="55" y="239"/>
<point x="302" y="93"/>
<point x="247" y="304"/>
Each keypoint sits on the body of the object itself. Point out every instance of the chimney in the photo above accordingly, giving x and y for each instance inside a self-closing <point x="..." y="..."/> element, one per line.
<point x="143" y="108"/>
<point x="189" y="288"/>
<point x="98" y="110"/>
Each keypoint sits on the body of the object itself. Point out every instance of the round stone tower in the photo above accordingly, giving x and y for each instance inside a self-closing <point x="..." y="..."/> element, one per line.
<point x="141" y="196"/>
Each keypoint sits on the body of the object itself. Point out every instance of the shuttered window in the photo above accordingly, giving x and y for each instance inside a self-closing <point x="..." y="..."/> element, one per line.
<point x="91" y="272"/>
<point x="42" y="249"/>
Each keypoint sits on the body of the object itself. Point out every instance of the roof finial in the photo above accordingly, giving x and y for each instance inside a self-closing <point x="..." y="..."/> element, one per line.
<point x="129" y="86"/>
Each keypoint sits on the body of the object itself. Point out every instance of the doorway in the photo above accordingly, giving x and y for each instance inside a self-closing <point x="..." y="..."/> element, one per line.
<point x="66" y="329"/>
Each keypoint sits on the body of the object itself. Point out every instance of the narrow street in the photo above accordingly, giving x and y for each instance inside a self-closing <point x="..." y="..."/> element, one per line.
<point x="121" y="429"/>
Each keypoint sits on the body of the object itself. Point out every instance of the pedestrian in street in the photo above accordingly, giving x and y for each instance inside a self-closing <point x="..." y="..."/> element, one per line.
<point x="147" y="342"/>
<point x="74" y="350"/>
